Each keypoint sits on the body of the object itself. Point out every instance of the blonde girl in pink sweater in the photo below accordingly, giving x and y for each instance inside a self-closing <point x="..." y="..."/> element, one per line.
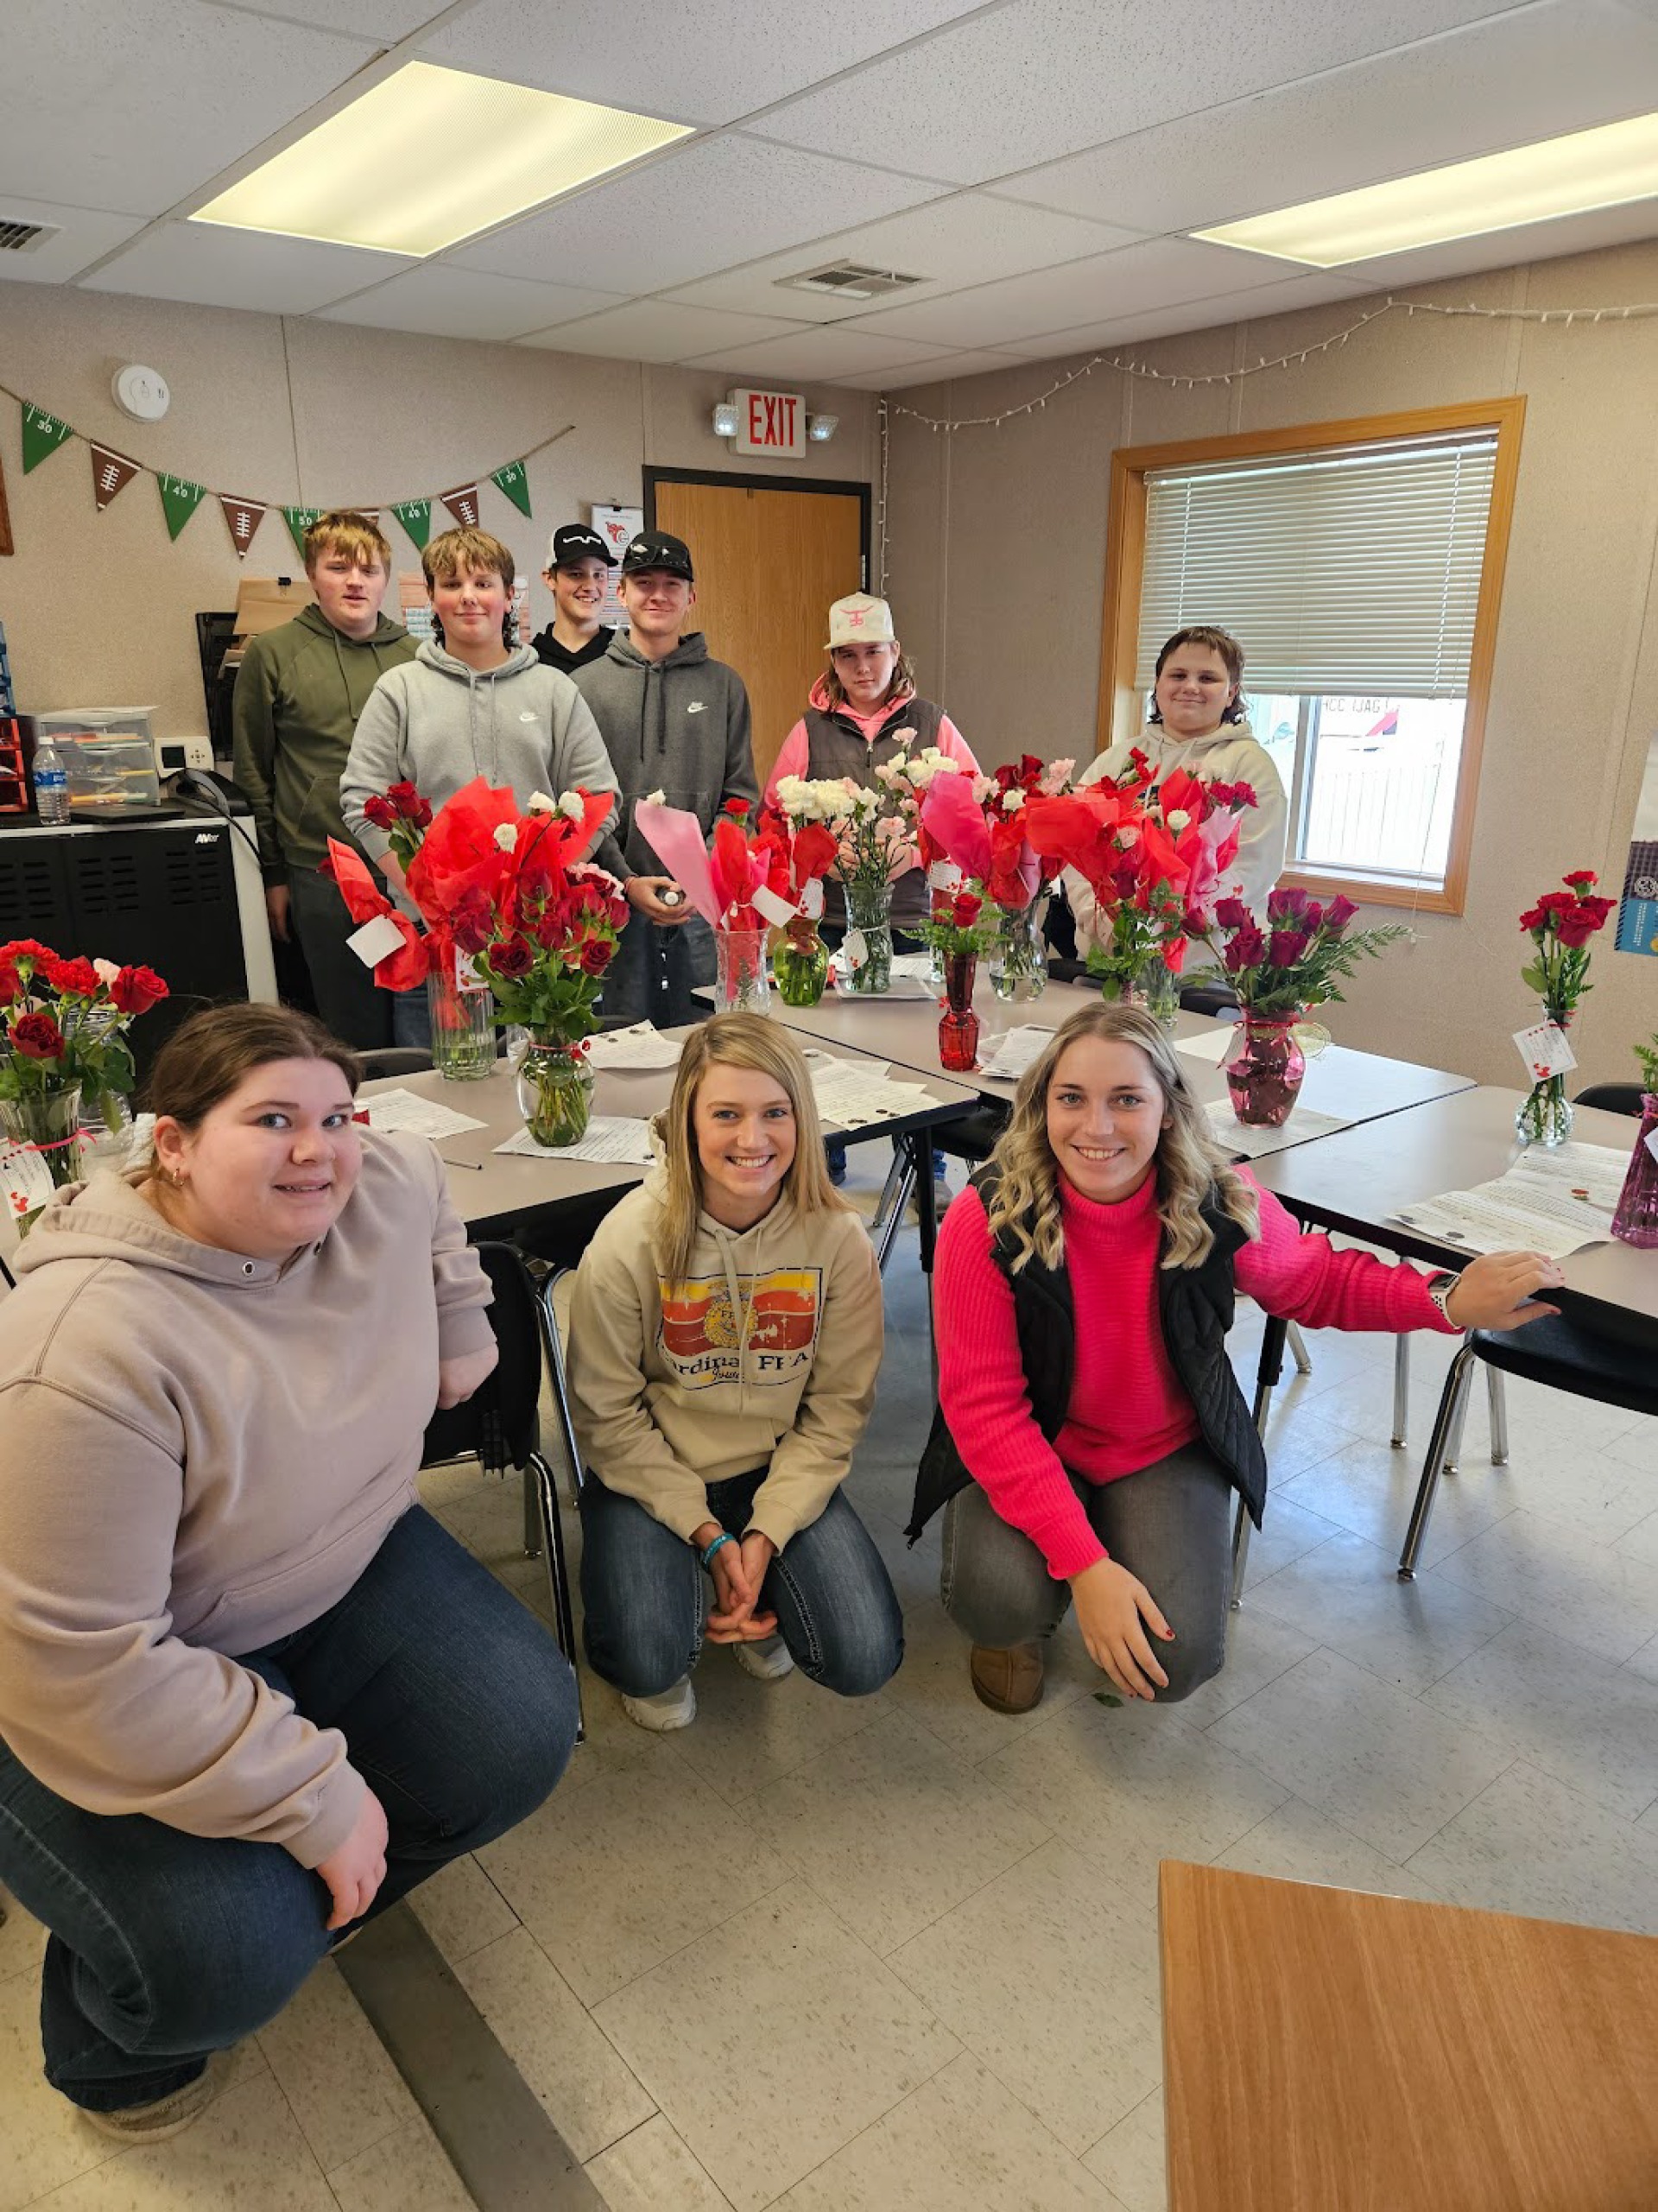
<point x="1090" y="1430"/>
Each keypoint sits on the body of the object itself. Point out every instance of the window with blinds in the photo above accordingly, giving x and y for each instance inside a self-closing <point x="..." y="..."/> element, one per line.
<point x="1342" y="569"/>
<point x="1359" y="564"/>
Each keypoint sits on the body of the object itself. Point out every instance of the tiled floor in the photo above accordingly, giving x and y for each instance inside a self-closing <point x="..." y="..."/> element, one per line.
<point x="901" y="1957"/>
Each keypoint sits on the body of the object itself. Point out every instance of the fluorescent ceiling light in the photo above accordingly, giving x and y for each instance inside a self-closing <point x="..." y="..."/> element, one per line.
<point x="430" y="156"/>
<point x="1604" y="167"/>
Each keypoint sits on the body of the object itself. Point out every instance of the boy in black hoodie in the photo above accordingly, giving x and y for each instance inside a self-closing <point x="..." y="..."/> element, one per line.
<point x="674" y="721"/>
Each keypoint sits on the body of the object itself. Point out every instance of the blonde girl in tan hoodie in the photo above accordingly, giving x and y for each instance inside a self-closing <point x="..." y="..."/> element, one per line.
<point x="249" y="1691"/>
<point x="725" y="1342"/>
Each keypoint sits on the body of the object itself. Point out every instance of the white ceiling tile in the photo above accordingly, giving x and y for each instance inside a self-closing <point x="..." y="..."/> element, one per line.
<point x="1216" y="314"/>
<point x="950" y="243"/>
<point x="694" y="210"/>
<point x="658" y="330"/>
<point x="1040" y="78"/>
<point x="214" y="267"/>
<point x="387" y="22"/>
<point x="448" y="302"/>
<point x="946" y="366"/>
<point x="84" y="234"/>
<point x="1162" y="272"/>
<point x="1535" y="73"/>
<point x="827" y="356"/>
<point x="705" y="61"/>
<point x="130" y="108"/>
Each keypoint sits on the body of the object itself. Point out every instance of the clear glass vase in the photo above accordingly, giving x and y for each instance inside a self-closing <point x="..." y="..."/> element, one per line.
<point x="1264" y="1069"/>
<point x="958" y="1025"/>
<point x="868" y="943"/>
<point x="1545" y="1116"/>
<point x="555" y="1090"/>
<point x="1157" y="988"/>
<point x="46" y="1121"/>
<point x="1636" y="1221"/>
<point x="463" y="1027"/>
<point x="800" y="964"/>
<point x="1018" y="960"/>
<point x="740" y="985"/>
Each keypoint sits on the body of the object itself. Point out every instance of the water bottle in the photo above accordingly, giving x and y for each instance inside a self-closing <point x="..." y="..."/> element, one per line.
<point x="51" y="786"/>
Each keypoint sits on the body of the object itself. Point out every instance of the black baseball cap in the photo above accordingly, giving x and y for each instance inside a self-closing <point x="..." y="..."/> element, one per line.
<point x="574" y="542"/>
<point x="656" y="549"/>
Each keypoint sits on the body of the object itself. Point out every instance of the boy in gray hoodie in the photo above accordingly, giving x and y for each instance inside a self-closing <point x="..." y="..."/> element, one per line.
<point x="673" y="720"/>
<point x="468" y="705"/>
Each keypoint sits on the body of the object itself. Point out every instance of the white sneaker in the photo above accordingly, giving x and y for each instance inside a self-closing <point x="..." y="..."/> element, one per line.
<point x="169" y="2116"/>
<point x="667" y="1709"/>
<point x="767" y="1660"/>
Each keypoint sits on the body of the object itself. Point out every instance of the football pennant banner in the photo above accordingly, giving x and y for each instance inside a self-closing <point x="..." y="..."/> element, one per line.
<point x="242" y="517"/>
<point x="462" y="503"/>
<point x="299" y="521"/>
<point x="112" y="475"/>
<point x="42" y="435"/>
<point x="513" y="479"/>
<point x="179" y="500"/>
<point x="415" y="516"/>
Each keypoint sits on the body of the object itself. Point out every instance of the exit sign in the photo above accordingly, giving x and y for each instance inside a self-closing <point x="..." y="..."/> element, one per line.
<point x="770" y="423"/>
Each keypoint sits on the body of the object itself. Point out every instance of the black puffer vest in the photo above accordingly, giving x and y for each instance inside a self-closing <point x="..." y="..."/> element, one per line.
<point x="836" y="747"/>
<point x="1195" y="1306"/>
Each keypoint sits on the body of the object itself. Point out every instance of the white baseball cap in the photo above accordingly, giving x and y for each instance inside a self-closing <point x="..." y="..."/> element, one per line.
<point x="860" y="620"/>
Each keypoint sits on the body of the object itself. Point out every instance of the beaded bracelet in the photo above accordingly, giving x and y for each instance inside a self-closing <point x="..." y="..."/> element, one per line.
<point x="724" y="1537"/>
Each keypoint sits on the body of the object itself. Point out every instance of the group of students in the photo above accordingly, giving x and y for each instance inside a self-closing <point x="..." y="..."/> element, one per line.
<point x="251" y="1693"/>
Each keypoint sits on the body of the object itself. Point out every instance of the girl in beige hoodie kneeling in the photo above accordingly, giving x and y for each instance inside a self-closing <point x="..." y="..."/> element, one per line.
<point x="724" y="1342"/>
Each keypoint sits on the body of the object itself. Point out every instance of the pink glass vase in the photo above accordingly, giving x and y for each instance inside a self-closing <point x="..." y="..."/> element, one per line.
<point x="1636" y="1221"/>
<point x="958" y="1025"/>
<point x="1264" y="1069"/>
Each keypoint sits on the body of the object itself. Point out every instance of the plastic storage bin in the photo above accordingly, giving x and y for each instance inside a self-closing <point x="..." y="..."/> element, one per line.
<point x="106" y="773"/>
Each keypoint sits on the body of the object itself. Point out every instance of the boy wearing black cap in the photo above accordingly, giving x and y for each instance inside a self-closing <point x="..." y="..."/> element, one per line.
<point x="579" y="565"/>
<point x="674" y="721"/>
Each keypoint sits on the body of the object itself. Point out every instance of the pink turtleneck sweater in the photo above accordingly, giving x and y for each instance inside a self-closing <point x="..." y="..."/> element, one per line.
<point x="1128" y="1410"/>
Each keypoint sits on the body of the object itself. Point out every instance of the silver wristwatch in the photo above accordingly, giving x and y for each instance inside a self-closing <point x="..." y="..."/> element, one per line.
<point x="1439" y="1288"/>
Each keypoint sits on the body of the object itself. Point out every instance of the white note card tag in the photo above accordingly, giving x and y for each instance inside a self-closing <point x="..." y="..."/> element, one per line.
<point x="944" y="876"/>
<point x="1546" y="1050"/>
<point x="856" y="949"/>
<point x="775" y="910"/>
<point x="1652" y="1142"/>
<point x="466" y="976"/>
<point x="375" y="941"/>
<point x="812" y="898"/>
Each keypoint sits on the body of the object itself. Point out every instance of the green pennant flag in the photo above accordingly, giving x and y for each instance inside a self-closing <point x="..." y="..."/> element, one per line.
<point x="299" y="521"/>
<point x="512" y="478"/>
<point x="42" y="435"/>
<point x="179" y="500"/>
<point x="415" y="516"/>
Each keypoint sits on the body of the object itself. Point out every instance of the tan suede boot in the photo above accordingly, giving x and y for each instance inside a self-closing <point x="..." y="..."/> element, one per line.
<point x="1010" y="1681"/>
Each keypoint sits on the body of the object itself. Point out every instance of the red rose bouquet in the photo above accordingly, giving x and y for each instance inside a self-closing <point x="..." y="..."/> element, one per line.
<point x="63" y="1038"/>
<point x="981" y="830"/>
<point x="1560" y="925"/>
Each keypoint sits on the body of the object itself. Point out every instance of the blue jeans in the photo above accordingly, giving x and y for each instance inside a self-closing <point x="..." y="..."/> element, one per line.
<point x="457" y="1708"/>
<point x="656" y="970"/>
<point x="646" y="1597"/>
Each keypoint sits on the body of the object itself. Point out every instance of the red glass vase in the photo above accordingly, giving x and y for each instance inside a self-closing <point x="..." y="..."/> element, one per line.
<point x="1636" y="1221"/>
<point x="958" y="1025"/>
<point x="1265" y="1069"/>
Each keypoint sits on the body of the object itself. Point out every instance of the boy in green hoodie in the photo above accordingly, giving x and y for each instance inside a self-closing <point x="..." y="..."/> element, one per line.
<point x="298" y="695"/>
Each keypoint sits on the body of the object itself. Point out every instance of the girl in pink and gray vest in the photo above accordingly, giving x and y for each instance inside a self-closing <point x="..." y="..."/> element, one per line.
<point x="858" y="706"/>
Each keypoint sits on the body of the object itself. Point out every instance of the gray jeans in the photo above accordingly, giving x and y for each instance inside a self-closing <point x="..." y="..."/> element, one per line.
<point x="656" y="969"/>
<point x="1170" y="1524"/>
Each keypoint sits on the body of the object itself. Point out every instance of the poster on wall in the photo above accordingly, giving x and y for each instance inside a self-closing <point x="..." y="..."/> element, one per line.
<point x="1637" y="917"/>
<point x="616" y="525"/>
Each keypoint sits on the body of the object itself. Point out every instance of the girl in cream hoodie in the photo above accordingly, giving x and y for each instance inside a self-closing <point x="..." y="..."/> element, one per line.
<point x="1198" y="723"/>
<point x="725" y="1342"/>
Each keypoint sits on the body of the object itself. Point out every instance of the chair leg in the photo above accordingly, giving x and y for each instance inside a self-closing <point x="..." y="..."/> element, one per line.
<point x="1499" y="1416"/>
<point x="1453" y="1455"/>
<point x="1400" y="1393"/>
<point x="887" y="1236"/>
<point x="1267" y="1371"/>
<point x="1297" y="1351"/>
<point x="885" y="1205"/>
<point x="1448" y="1419"/>
<point x="555" y="1369"/>
<point x="539" y="1485"/>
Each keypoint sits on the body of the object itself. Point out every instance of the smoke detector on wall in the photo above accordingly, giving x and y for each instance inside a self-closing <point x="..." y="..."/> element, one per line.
<point x="141" y="392"/>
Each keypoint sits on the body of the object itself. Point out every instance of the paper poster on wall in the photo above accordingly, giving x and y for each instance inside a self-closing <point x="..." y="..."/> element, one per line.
<point x="1637" y="917"/>
<point x="616" y="525"/>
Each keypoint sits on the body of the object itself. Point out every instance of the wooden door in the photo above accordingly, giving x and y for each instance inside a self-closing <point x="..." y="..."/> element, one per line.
<point x="770" y="559"/>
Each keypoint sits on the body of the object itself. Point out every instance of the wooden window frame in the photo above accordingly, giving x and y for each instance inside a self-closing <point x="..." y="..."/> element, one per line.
<point x="1120" y="703"/>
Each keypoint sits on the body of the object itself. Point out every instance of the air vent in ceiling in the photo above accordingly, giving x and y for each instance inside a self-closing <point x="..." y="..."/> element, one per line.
<point x="23" y="238"/>
<point x="849" y="280"/>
